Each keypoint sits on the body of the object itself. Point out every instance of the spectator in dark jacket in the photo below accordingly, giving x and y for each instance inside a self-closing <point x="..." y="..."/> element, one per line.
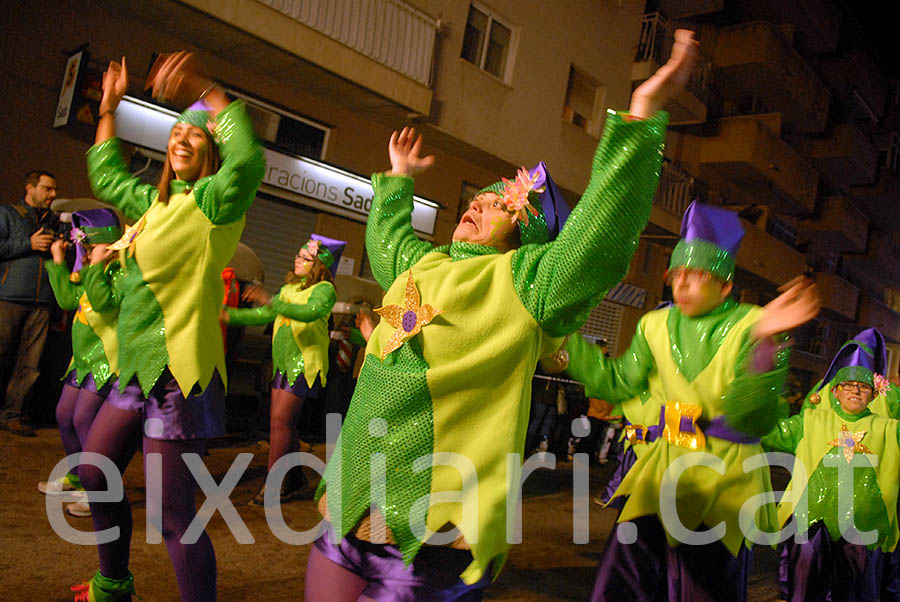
<point x="26" y="232"/>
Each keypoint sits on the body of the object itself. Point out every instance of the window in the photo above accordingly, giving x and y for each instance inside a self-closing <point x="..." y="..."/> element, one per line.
<point x="584" y="101"/>
<point x="290" y="132"/>
<point x="466" y="194"/>
<point x="487" y="42"/>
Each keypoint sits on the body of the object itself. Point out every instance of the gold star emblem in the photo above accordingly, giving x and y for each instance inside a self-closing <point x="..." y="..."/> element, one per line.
<point x="84" y="306"/>
<point x="127" y="240"/>
<point x="850" y="443"/>
<point x="408" y="320"/>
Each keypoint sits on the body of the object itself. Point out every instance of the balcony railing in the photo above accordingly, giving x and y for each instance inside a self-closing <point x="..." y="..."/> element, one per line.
<point x="390" y="32"/>
<point x="656" y="45"/>
<point x="675" y="191"/>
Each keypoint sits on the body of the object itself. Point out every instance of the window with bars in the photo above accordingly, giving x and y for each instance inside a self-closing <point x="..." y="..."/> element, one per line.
<point x="286" y="130"/>
<point x="604" y="323"/>
<point x="487" y="42"/>
<point x="584" y="101"/>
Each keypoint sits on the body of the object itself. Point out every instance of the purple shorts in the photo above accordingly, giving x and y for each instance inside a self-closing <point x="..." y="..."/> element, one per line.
<point x="88" y="383"/>
<point x="197" y="416"/>
<point x="299" y="388"/>
<point x="433" y="574"/>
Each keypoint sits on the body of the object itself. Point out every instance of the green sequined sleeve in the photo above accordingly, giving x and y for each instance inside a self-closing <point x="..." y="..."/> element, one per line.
<point x="225" y="196"/>
<point x="892" y="396"/>
<point x="251" y="316"/>
<point x="321" y="301"/>
<point x="391" y="244"/>
<point x="751" y="400"/>
<point x="613" y="379"/>
<point x="67" y="293"/>
<point x="561" y="281"/>
<point x="785" y="435"/>
<point x="101" y="287"/>
<point x="113" y="183"/>
<point x="357" y="338"/>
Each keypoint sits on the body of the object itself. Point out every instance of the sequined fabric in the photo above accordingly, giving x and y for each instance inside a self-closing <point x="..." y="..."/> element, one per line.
<point x="695" y="340"/>
<point x="703" y="255"/>
<point x="88" y="351"/>
<point x="173" y="285"/>
<point x="391" y="416"/>
<point x="815" y="437"/>
<point x="300" y="331"/>
<point x="821" y="496"/>
<point x="601" y="233"/>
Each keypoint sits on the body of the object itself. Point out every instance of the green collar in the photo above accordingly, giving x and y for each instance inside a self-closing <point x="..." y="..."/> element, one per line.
<point x="467" y="250"/>
<point x="694" y="341"/>
<point x="180" y="186"/>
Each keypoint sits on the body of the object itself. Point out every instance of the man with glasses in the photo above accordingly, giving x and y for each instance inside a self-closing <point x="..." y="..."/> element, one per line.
<point x="26" y="232"/>
<point x="843" y="495"/>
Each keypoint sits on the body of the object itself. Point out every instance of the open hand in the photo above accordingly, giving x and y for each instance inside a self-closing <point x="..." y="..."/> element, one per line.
<point x="177" y="78"/>
<point x="797" y="304"/>
<point x="41" y="240"/>
<point x="653" y="94"/>
<point x="115" y="85"/>
<point x="255" y="294"/>
<point x="404" y="149"/>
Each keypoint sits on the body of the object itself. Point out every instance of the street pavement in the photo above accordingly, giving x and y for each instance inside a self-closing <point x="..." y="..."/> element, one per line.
<point x="37" y="564"/>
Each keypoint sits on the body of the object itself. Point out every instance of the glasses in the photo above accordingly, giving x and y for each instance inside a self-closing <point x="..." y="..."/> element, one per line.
<point x="858" y="387"/>
<point x="690" y="275"/>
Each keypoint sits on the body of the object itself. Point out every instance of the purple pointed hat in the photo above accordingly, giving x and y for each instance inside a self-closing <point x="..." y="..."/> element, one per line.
<point x="330" y="251"/>
<point x="93" y="226"/>
<point x="553" y="210"/>
<point x="710" y="238"/>
<point x="859" y="359"/>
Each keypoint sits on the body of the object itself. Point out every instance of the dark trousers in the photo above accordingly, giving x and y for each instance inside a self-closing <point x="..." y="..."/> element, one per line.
<point x="23" y="331"/>
<point x="648" y="570"/>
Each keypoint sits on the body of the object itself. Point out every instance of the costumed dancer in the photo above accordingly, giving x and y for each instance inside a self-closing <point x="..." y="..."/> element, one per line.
<point x="641" y="414"/>
<point x="300" y="341"/>
<point x="720" y="373"/>
<point x="169" y="396"/>
<point x="443" y="395"/>
<point x="882" y="570"/>
<point x="94" y="343"/>
<point x="834" y="448"/>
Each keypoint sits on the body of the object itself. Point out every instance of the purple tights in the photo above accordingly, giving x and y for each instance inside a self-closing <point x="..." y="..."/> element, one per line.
<point x="75" y="411"/>
<point x="116" y="434"/>
<point x="283" y="417"/>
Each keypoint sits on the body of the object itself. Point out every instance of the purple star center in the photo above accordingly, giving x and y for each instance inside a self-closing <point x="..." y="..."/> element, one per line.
<point x="409" y="321"/>
<point x="849" y="442"/>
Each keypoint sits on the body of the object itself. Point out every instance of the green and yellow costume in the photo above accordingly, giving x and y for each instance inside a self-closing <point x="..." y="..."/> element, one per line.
<point x="448" y="369"/>
<point x="300" y="336"/>
<point x="172" y="284"/>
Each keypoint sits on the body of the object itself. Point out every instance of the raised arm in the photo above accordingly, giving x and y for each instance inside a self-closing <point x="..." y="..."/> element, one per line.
<point x="613" y="379"/>
<point x="99" y="288"/>
<point x="225" y="196"/>
<point x="109" y="176"/>
<point x="560" y="282"/>
<point x="67" y="293"/>
<point x="391" y="244"/>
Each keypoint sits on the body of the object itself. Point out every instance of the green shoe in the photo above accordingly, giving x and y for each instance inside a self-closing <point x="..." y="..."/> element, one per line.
<point x="103" y="589"/>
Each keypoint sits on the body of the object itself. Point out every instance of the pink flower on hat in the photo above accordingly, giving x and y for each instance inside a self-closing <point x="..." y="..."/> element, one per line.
<point x="515" y="195"/>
